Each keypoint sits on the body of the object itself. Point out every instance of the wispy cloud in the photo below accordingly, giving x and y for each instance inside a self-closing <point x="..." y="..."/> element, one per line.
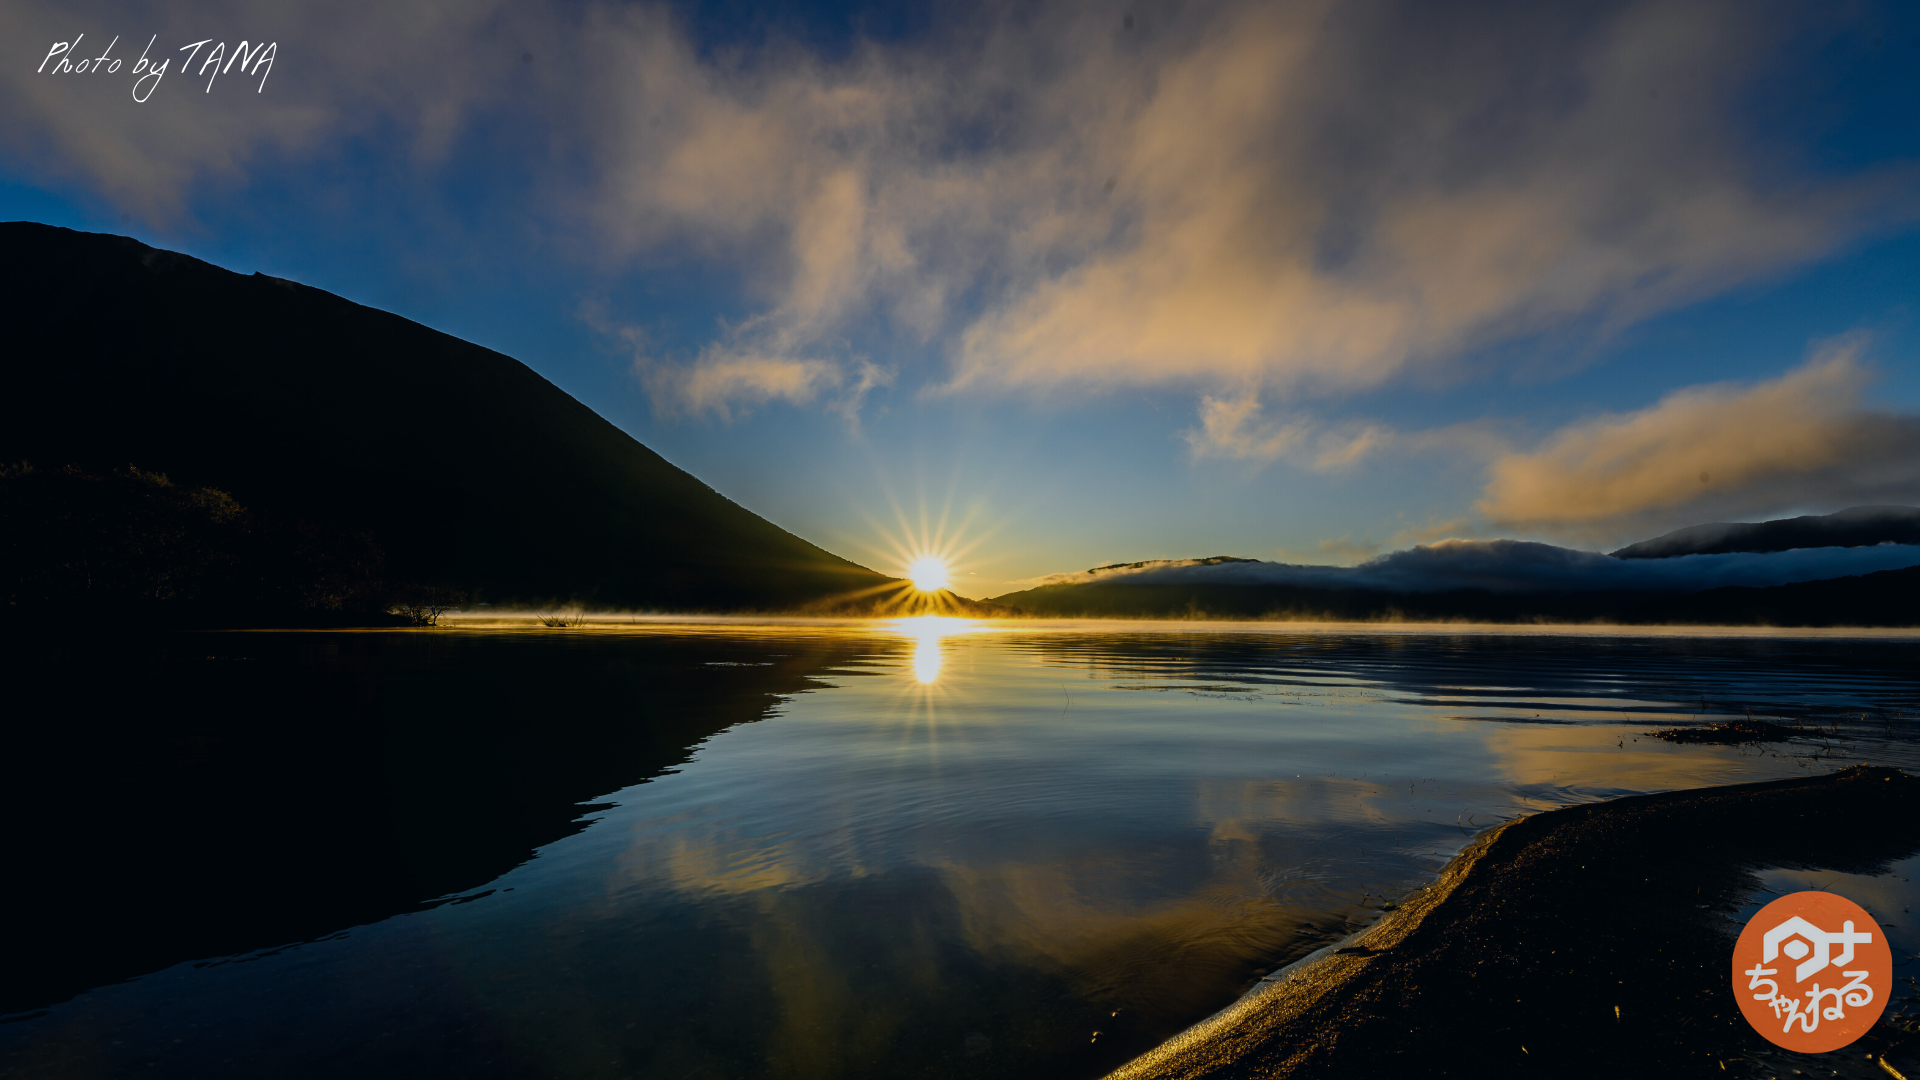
<point x="1235" y="197"/>
<point x="1803" y="440"/>
<point x="722" y="384"/>
<point x="1236" y="428"/>
<point x="726" y="384"/>
<point x="1324" y="197"/>
<point x="341" y="72"/>
<point x="1344" y="549"/>
<point x="1233" y="428"/>
<point x="730" y="379"/>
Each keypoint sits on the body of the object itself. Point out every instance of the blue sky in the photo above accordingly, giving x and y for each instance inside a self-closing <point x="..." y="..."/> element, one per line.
<point x="1063" y="285"/>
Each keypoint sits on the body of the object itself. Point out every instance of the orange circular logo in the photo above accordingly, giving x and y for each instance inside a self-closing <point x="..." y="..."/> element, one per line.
<point x="1812" y="971"/>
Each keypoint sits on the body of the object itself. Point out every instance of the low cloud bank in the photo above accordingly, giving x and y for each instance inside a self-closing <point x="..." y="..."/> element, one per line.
<point x="1805" y="438"/>
<point x="1516" y="566"/>
<point x="1861" y="526"/>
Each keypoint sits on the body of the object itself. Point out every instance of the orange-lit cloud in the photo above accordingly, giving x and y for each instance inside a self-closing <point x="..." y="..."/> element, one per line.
<point x="1236" y="428"/>
<point x="1231" y="197"/>
<point x="1309" y="200"/>
<point x="1804" y="439"/>
<point x="723" y="383"/>
<point x="718" y="382"/>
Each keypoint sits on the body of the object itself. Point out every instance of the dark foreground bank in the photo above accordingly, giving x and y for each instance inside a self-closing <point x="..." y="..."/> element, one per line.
<point x="1588" y="941"/>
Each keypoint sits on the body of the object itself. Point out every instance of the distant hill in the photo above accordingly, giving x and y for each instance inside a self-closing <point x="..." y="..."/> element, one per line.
<point x="1861" y="526"/>
<point x="1830" y="570"/>
<point x="467" y="467"/>
<point x="1886" y="598"/>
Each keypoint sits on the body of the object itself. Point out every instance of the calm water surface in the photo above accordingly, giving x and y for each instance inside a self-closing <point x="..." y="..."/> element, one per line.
<point x="928" y="850"/>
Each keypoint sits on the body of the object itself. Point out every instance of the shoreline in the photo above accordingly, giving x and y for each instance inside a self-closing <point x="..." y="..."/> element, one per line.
<point x="24" y="629"/>
<point x="1515" y="962"/>
<point x="1049" y="625"/>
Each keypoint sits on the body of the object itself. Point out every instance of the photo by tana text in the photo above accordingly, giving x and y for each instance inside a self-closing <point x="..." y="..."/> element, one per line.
<point x="65" y="58"/>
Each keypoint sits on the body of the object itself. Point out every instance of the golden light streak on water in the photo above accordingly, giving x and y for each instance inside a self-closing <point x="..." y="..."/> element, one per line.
<point x="926" y="632"/>
<point x="926" y="659"/>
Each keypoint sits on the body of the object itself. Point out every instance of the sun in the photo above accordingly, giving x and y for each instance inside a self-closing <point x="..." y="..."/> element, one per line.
<point x="932" y="555"/>
<point x="928" y="574"/>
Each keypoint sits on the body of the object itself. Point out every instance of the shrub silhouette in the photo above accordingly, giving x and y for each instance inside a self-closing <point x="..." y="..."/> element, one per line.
<point x="132" y="544"/>
<point x="422" y="605"/>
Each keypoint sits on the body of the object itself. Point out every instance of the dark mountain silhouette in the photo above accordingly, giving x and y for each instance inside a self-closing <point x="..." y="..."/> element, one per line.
<point x="466" y="467"/>
<point x="1860" y="526"/>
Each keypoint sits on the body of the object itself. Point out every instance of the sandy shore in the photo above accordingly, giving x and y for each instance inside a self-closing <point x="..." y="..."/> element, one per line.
<point x="1588" y="941"/>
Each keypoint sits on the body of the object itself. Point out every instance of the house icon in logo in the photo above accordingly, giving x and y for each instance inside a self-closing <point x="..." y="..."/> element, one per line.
<point x="1822" y="944"/>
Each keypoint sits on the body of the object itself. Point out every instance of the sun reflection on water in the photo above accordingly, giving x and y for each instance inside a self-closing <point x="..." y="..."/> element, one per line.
<point x="926" y="659"/>
<point x="927" y="632"/>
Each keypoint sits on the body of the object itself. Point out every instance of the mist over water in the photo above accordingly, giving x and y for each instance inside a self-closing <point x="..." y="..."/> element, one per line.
<point x="925" y="848"/>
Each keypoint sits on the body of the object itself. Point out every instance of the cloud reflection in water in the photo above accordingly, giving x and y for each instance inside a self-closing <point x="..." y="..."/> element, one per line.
<point x="976" y="844"/>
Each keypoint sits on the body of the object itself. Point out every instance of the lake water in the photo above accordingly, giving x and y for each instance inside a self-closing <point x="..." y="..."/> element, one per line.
<point x="715" y="850"/>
